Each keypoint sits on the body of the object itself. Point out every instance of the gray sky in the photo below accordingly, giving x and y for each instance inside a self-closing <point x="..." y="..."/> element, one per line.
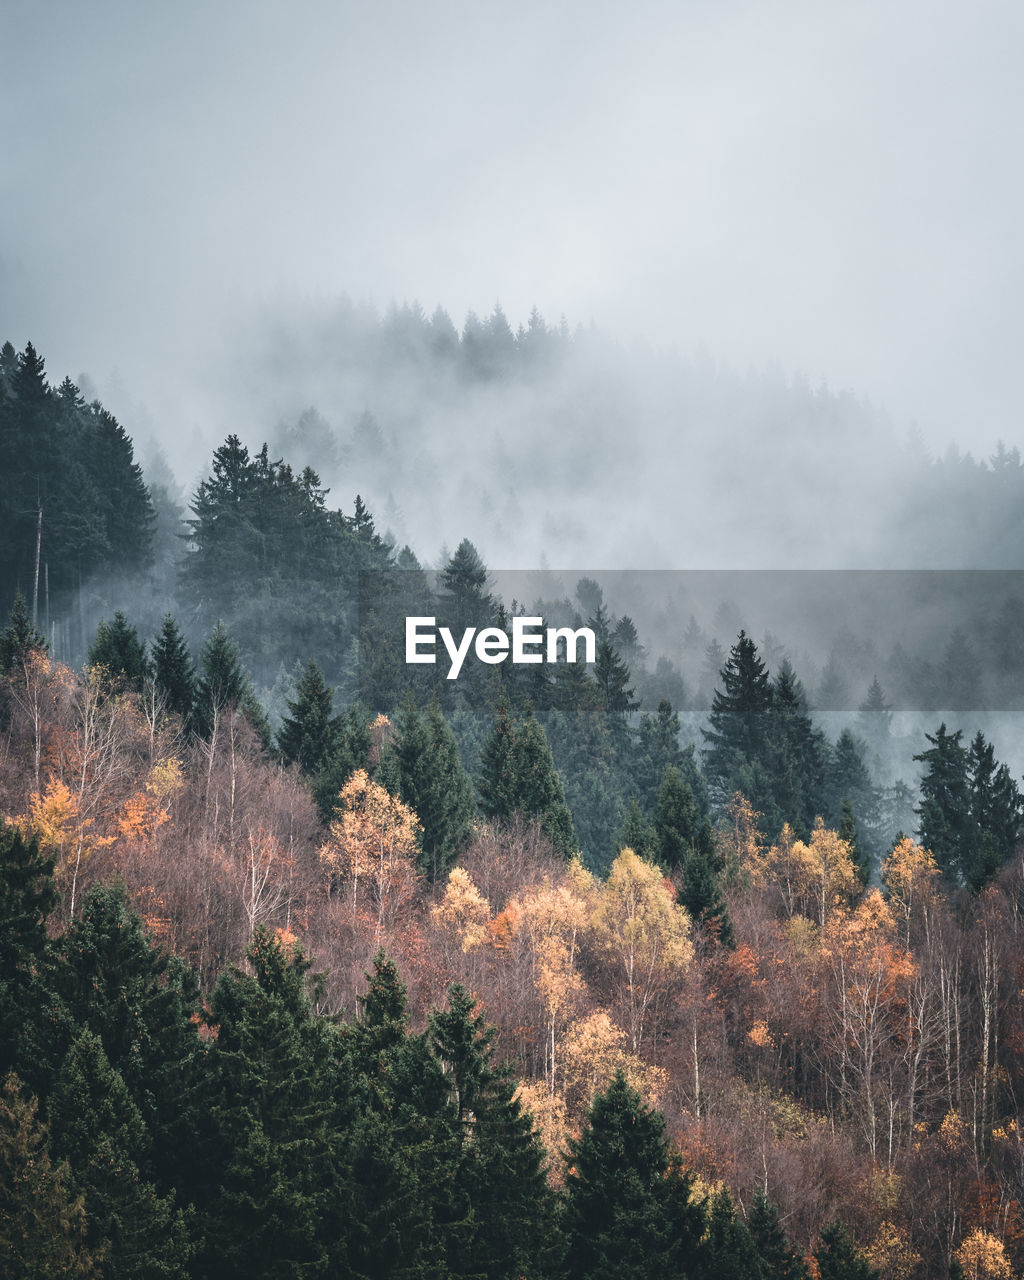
<point x="837" y="187"/>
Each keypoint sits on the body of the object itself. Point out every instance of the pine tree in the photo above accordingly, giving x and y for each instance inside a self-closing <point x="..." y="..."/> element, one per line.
<point x="738" y="722"/>
<point x="500" y="1172"/>
<point x="18" y="639"/>
<point x="837" y="1257"/>
<point x="779" y="1261"/>
<point x="701" y="888"/>
<point x="118" y="650"/>
<point x="675" y="820"/>
<point x="729" y="1250"/>
<point x="42" y="1218"/>
<point x="944" y="811"/>
<point x="99" y="1130"/>
<point x="627" y="1212"/>
<point x="996" y="815"/>
<point x="272" y="1160"/>
<point x="173" y="672"/>
<point x="429" y="777"/>
<point x="539" y="792"/>
<point x="496" y="783"/>
<point x="223" y="685"/>
<point x="636" y="833"/>
<point x="27" y="896"/>
<point x="308" y="733"/>
<point x="105" y="975"/>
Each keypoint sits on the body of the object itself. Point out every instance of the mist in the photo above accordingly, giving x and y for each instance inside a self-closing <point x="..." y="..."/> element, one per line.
<point x="826" y="192"/>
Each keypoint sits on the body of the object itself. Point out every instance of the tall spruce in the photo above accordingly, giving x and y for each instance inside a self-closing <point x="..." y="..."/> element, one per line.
<point x="628" y="1212"/>
<point x="173" y="671"/>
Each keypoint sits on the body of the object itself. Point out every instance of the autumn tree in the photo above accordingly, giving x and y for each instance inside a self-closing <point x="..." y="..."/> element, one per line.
<point x="373" y="837"/>
<point x="643" y="935"/>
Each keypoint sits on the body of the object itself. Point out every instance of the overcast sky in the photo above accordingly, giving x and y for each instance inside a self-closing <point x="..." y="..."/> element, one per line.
<point x="836" y="187"/>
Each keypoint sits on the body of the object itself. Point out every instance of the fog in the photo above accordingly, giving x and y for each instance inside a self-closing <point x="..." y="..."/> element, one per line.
<point x="829" y="192"/>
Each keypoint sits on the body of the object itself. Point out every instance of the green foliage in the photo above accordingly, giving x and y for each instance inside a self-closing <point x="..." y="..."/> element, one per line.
<point x="42" y="1217"/>
<point x="627" y="1211"/>
<point x="18" y="639"/>
<point x="27" y="896"/>
<point x="779" y="1261"/>
<point x="675" y="820"/>
<point x="838" y="1258"/>
<point x="518" y="775"/>
<point x="499" y="1174"/>
<point x="173" y="671"/>
<point x="118" y="650"/>
<point x="422" y="767"/>
<point x="100" y="1131"/>
<point x="308" y="734"/>
<point x="224" y="686"/>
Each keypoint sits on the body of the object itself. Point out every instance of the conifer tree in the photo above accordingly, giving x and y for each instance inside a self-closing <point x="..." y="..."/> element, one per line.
<point x="119" y="651"/>
<point x="701" y="889"/>
<point x="173" y="671"/>
<point x="224" y="684"/>
<point x="627" y="1211"/>
<point x="42" y="1217"/>
<point x="500" y="1171"/>
<point x="538" y="787"/>
<point x="729" y="1250"/>
<point x="944" y="811"/>
<point x="779" y="1261"/>
<point x="104" y="975"/>
<point x="18" y="639"/>
<point x="99" y="1130"/>
<point x="429" y="777"/>
<point x="636" y="833"/>
<point x="675" y="820"/>
<point x="838" y="1258"/>
<point x="308" y="733"/>
<point x="27" y="896"/>
<point x="497" y="783"/>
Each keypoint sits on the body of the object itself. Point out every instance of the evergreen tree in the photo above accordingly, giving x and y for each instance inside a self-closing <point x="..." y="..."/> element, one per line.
<point x="779" y="1261"/>
<point x="837" y="1257"/>
<point x="99" y="1130"/>
<point x="429" y="777"/>
<point x="464" y="597"/>
<point x="627" y="1212"/>
<point x="273" y="1159"/>
<point x="27" y="896"/>
<point x="539" y="792"/>
<point x="636" y="833"/>
<point x="308" y="733"/>
<point x="18" y="639"/>
<point x="701" y="888"/>
<point x="224" y="685"/>
<point x="675" y="820"/>
<point x="996" y="815"/>
<point x="944" y="811"/>
<point x="500" y="1170"/>
<point x="173" y="672"/>
<point x="729" y="1249"/>
<point x="118" y="650"/>
<point x="497" y="782"/>
<point x="104" y="975"/>
<point x="42" y="1218"/>
<point x="738" y="721"/>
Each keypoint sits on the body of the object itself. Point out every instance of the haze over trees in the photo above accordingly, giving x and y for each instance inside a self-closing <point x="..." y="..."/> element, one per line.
<point x="315" y="962"/>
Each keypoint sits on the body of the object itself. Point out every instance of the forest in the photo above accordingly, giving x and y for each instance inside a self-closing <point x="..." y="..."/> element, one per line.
<point x="317" y="964"/>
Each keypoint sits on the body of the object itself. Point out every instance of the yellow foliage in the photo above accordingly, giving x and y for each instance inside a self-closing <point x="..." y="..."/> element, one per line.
<point x="890" y="1253"/>
<point x="739" y="842"/>
<point x="165" y="778"/>
<point x="593" y="1049"/>
<point x="140" y="817"/>
<point x="815" y="875"/>
<point x="983" y="1257"/>
<point x="374" y="836"/>
<point x="463" y="910"/>
<point x="911" y="875"/>
<point x="760" y="1034"/>
<point x="550" y="1119"/>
